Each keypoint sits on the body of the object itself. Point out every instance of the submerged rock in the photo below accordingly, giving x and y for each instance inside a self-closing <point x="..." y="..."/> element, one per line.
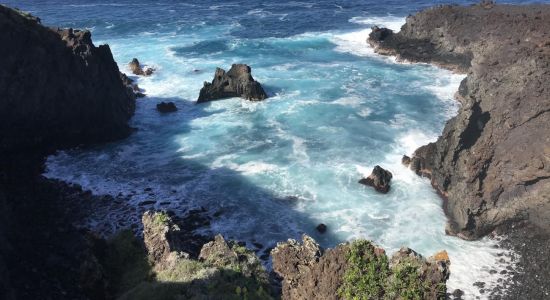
<point x="237" y="82"/>
<point x="167" y="107"/>
<point x="379" y="179"/>
<point x="309" y="272"/>
<point x="322" y="228"/>
<point x="137" y="69"/>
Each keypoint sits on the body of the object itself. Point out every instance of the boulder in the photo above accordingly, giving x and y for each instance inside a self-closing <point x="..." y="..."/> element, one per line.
<point x="137" y="69"/>
<point x="379" y="179"/>
<point x="237" y="82"/>
<point x="166" y="107"/>
<point x="322" y="228"/>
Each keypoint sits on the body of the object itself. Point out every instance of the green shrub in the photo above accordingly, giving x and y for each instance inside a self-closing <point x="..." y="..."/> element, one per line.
<point x="366" y="274"/>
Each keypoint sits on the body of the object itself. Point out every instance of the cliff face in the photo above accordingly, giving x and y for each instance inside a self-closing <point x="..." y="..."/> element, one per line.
<point x="56" y="87"/>
<point x="56" y="90"/>
<point x="492" y="162"/>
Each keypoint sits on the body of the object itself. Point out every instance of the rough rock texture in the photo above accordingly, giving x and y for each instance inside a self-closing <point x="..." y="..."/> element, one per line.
<point x="237" y="82"/>
<point x="309" y="272"/>
<point x="492" y="162"/>
<point x="137" y="69"/>
<point x="379" y="179"/>
<point x="167" y="107"/>
<point x="162" y="234"/>
<point x="56" y="87"/>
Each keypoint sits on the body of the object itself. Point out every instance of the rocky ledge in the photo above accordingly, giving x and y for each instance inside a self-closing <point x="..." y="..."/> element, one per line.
<point x="237" y="82"/>
<point x="56" y="88"/>
<point x="492" y="162"/>
<point x="358" y="270"/>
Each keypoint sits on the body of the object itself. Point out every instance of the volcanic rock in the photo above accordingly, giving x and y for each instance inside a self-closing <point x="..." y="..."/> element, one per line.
<point x="137" y="69"/>
<point x="309" y="272"/>
<point x="322" y="228"/>
<point x="166" y="107"/>
<point x="56" y="88"/>
<point x="237" y="82"/>
<point x="492" y="161"/>
<point x="379" y="179"/>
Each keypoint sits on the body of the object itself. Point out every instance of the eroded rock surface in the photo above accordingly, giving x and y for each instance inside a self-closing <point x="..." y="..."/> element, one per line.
<point x="379" y="179"/>
<point x="56" y="87"/>
<point x="357" y="269"/>
<point x="492" y="161"/>
<point x="237" y="82"/>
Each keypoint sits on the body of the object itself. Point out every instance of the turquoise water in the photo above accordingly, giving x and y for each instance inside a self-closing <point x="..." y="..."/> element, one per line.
<point x="274" y="169"/>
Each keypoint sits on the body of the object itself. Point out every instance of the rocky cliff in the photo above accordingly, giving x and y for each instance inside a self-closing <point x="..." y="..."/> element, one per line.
<point x="358" y="270"/>
<point x="492" y="161"/>
<point x="57" y="88"/>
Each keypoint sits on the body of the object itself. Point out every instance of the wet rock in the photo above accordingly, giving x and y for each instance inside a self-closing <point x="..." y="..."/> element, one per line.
<point x="321" y="228"/>
<point x="137" y="69"/>
<point x="380" y="34"/>
<point x="237" y="82"/>
<point x="379" y="179"/>
<point x="457" y="294"/>
<point x="405" y="160"/>
<point x="167" y="107"/>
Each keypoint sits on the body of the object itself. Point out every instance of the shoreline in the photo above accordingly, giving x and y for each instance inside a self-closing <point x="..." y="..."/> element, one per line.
<point x="402" y="46"/>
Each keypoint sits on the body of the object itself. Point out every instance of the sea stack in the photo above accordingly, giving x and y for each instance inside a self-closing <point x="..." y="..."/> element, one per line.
<point x="379" y="179"/>
<point x="237" y="82"/>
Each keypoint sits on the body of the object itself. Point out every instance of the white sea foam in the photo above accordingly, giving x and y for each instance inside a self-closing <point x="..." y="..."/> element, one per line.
<point x="392" y="22"/>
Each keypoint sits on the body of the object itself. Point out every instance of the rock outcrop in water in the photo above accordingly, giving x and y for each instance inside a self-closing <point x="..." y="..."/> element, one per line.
<point x="379" y="179"/>
<point x="237" y="82"/>
<point x="492" y="162"/>
<point x="357" y="269"/>
<point x="56" y="87"/>
<point x="137" y="69"/>
<point x="167" y="107"/>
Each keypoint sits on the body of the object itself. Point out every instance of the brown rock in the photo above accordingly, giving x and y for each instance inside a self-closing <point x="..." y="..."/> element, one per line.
<point x="379" y="179"/>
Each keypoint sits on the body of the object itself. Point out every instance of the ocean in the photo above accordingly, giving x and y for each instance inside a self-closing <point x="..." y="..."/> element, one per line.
<point x="273" y="170"/>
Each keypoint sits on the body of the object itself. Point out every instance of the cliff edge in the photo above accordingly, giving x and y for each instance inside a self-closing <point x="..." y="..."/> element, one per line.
<point x="56" y="88"/>
<point x="492" y="162"/>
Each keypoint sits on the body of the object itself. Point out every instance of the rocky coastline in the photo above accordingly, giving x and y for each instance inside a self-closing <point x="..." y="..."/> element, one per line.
<point x="491" y="165"/>
<point x="43" y="255"/>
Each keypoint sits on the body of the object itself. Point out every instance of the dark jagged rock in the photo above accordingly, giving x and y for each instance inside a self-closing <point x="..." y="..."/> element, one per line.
<point x="131" y="86"/>
<point x="492" y="161"/>
<point x="405" y="160"/>
<point x="237" y="82"/>
<point x="379" y="179"/>
<point x="309" y="272"/>
<point x="137" y="69"/>
<point x="57" y="88"/>
<point x="380" y="34"/>
<point x="322" y="228"/>
<point x="167" y="107"/>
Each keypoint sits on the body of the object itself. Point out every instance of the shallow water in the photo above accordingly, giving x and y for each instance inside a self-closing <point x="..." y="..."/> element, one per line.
<point x="277" y="168"/>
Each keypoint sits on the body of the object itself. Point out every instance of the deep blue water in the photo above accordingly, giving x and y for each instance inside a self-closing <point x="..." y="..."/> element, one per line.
<point x="274" y="169"/>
